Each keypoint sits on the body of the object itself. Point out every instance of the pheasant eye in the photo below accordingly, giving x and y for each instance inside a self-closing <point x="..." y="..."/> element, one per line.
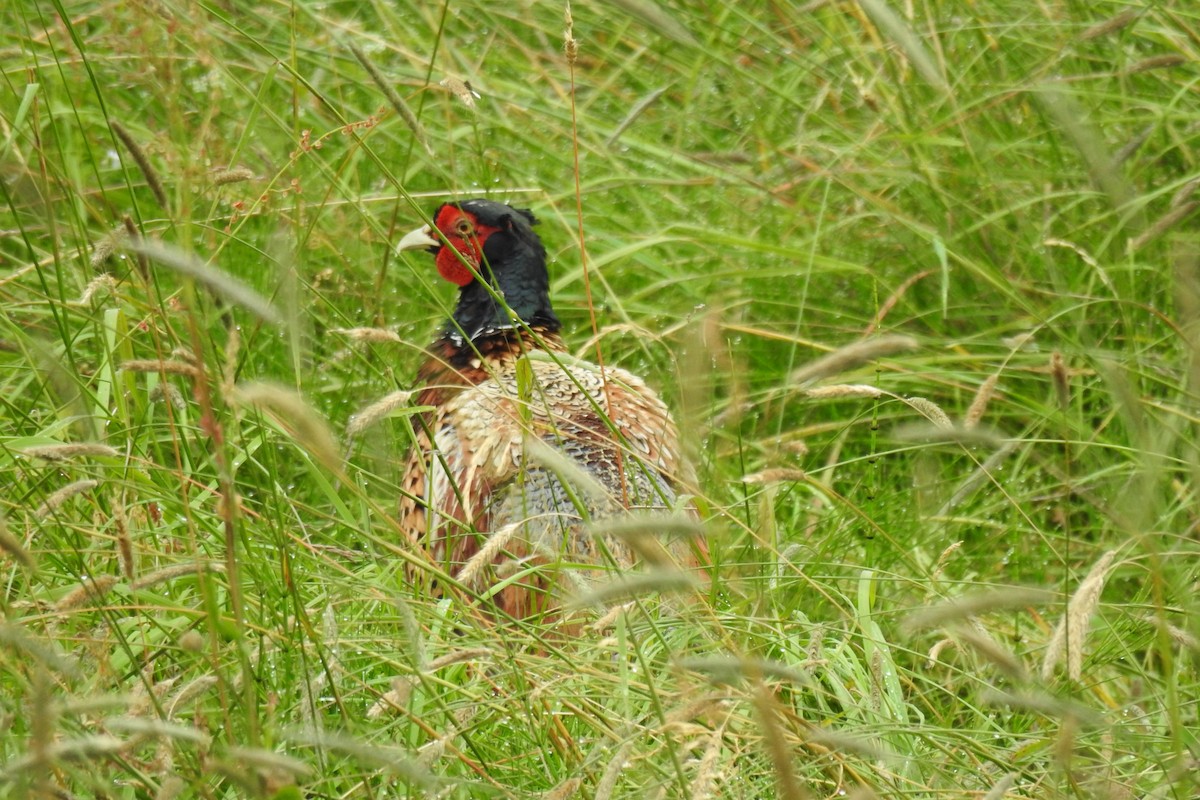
<point x="463" y="227"/>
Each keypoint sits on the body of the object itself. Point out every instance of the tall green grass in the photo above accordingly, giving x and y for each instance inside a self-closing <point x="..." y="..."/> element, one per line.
<point x="965" y="567"/>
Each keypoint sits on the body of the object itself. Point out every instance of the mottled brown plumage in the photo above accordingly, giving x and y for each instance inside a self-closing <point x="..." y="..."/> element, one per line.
<point x="524" y="444"/>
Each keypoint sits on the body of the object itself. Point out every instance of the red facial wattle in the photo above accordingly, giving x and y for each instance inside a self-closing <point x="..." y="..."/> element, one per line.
<point x="450" y="264"/>
<point x="466" y="236"/>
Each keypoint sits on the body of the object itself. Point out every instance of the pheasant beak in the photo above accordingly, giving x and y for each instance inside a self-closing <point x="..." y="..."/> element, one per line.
<point x="420" y="239"/>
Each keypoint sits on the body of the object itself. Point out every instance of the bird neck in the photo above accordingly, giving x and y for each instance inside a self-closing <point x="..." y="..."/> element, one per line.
<point x="519" y="297"/>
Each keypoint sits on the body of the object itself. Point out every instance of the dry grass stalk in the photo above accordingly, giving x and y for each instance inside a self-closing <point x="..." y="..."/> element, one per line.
<point x="541" y="454"/>
<point x="216" y="281"/>
<point x="233" y="344"/>
<point x="776" y="475"/>
<point x="80" y="748"/>
<point x="973" y="605"/>
<point x="11" y="545"/>
<point x="851" y="357"/>
<point x="460" y="89"/>
<point x="393" y="97"/>
<point x="930" y="433"/>
<point x="633" y="585"/>
<point x="124" y="543"/>
<point x="1061" y="379"/>
<point x="235" y="175"/>
<point x="860" y="793"/>
<point x="893" y="300"/>
<point x="1181" y="637"/>
<point x="931" y="411"/>
<point x="141" y="729"/>
<point x="379" y="410"/>
<point x="1157" y="62"/>
<point x="984" y="645"/>
<point x="894" y="26"/>
<point x="972" y="481"/>
<point x="608" y="779"/>
<point x="644" y="538"/>
<point x="104" y="282"/>
<point x="458" y="657"/>
<point x="104" y="250"/>
<point x="171" y="787"/>
<point x="64" y="452"/>
<point x="170" y="394"/>
<point x="1020" y="341"/>
<point x="944" y="558"/>
<point x="395" y="699"/>
<point x="181" y="353"/>
<point x="412" y="634"/>
<point x="980" y="402"/>
<point x="735" y="409"/>
<point x="570" y="43"/>
<point x="637" y="528"/>
<point x="846" y="743"/>
<point x="787" y="784"/>
<point x="1164" y="223"/>
<point x="265" y="761"/>
<point x="1084" y="255"/>
<point x="1110" y="26"/>
<point x="1043" y="703"/>
<point x="935" y="652"/>
<point x="332" y="639"/>
<point x="168" y="366"/>
<point x="187" y="693"/>
<point x="431" y="752"/>
<point x="1065" y="743"/>
<point x="878" y="684"/>
<point x="369" y="335"/>
<point x="43" y="714"/>
<point x="729" y="669"/>
<point x="175" y="571"/>
<point x="63" y="495"/>
<point x="638" y="109"/>
<point x="1061" y="105"/>
<point x="132" y="234"/>
<point x="610" y="617"/>
<point x="704" y="785"/>
<point x="566" y="789"/>
<point x="1184" y="192"/>
<point x="1071" y="631"/>
<point x="295" y="416"/>
<point x="1006" y="782"/>
<point x="191" y="641"/>
<point x="87" y="591"/>
<point x="393" y="760"/>
<point x="496" y="541"/>
<point x="844" y="391"/>
<point x="785" y="565"/>
<point x="74" y="705"/>
<point x="1130" y="148"/>
<point x="16" y="639"/>
<point x="1082" y="608"/>
<point x="717" y="703"/>
<point x="143" y="163"/>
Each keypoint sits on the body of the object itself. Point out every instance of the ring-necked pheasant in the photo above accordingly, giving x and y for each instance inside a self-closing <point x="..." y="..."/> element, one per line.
<point x="524" y="444"/>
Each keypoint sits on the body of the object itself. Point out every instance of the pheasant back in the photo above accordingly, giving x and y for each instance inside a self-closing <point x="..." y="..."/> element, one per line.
<point x="508" y="470"/>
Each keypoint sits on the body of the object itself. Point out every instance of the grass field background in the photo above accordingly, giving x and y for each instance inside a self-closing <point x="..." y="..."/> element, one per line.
<point x="921" y="281"/>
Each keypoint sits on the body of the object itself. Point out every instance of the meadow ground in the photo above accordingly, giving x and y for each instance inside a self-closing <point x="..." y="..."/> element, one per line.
<point x="920" y="279"/>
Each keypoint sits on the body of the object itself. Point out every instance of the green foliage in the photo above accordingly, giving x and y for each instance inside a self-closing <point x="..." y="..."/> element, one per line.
<point x="204" y="587"/>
